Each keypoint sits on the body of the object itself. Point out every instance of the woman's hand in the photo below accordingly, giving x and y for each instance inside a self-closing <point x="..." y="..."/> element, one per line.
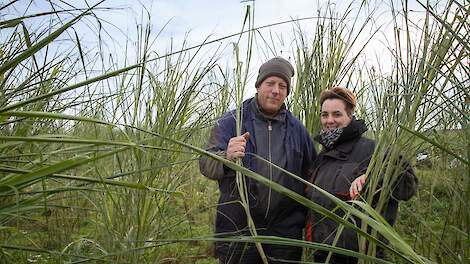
<point x="356" y="186"/>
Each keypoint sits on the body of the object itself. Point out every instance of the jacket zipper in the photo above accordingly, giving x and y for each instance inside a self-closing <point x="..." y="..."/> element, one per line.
<point x="270" y="129"/>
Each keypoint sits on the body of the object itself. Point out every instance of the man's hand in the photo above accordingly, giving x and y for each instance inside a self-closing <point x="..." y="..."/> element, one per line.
<point x="236" y="146"/>
<point x="356" y="186"/>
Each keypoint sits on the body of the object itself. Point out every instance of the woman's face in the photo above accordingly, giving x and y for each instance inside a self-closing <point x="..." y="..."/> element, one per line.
<point x="334" y="114"/>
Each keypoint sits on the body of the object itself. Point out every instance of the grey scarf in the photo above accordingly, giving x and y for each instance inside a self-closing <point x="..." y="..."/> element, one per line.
<point x="328" y="138"/>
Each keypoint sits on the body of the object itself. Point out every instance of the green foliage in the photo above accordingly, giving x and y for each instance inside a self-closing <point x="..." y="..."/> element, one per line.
<point x="100" y="166"/>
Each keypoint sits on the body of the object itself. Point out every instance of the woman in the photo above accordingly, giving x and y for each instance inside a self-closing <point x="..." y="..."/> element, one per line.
<point x="339" y="169"/>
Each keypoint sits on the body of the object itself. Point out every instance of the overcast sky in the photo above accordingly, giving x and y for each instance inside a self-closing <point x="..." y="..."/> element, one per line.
<point x="196" y="20"/>
<point x="177" y="20"/>
<point x="201" y="19"/>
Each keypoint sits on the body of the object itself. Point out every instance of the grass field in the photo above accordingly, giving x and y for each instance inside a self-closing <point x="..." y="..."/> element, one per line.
<point x="98" y="156"/>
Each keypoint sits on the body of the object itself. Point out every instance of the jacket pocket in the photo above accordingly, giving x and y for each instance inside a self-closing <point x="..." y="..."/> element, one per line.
<point x="345" y="175"/>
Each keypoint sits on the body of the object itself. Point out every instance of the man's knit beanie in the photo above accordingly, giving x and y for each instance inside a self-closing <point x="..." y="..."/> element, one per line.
<point x="276" y="67"/>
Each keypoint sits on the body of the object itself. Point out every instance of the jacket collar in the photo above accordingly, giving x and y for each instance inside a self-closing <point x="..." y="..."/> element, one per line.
<point x="256" y="111"/>
<point x="342" y="151"/>
<point x="351" y="132"/>
<point x="248" y="117"/>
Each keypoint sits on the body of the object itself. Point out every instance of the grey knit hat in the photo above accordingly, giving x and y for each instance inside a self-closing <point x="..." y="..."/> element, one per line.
<point x="276" y="67"/>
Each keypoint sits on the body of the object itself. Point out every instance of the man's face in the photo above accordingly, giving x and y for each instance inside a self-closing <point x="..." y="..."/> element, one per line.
<point x="271" y="94"/>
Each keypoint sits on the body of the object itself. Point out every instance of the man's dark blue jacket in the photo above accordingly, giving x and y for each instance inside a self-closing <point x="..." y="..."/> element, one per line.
<point x="285" y="220"/>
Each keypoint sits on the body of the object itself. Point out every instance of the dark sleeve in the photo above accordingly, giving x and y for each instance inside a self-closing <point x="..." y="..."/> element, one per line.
<point x="218" y="141"/>
<point x="406" y="185"/>
<point x="310" y="156"/>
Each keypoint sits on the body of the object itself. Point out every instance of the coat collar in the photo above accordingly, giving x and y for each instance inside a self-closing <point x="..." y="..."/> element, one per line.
<point x="352" y="131"/>
<point x="291" y="132"/>
<point x="342" y="151"/>
<point x="256" y="111"/>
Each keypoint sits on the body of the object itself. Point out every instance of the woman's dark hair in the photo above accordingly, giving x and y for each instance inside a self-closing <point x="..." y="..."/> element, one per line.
<point x="341" y="93"/>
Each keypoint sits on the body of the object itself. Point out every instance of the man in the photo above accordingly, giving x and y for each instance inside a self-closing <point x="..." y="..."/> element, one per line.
<point x="269" y="130"/>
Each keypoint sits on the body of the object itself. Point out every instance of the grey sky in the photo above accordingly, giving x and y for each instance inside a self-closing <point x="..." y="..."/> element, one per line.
<point x="196" y="20"/>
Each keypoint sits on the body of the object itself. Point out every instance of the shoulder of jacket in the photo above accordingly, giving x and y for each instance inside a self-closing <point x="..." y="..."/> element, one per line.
<point x="229" y="117"/>
<point x="367" y="140"/>
<point x="294" y="120"/>
<point x="365" y="143"/>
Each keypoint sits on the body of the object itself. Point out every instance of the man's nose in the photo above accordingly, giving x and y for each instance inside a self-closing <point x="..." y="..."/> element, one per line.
<point x="275" y="89"/>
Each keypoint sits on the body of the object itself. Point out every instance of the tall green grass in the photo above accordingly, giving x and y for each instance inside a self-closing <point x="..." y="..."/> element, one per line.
<point x="100" y="166"/>
<point x="413" y="108"/>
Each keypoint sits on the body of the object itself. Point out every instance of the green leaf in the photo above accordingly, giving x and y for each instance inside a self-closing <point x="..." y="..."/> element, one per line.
<point x="42" y="43"/>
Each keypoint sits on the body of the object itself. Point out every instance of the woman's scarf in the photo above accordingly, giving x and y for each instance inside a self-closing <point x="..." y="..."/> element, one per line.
<point x="336" y="136"/>
<point x="329" y="137"/>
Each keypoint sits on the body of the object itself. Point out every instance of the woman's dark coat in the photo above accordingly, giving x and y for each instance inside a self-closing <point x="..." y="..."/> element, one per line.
<point x="334" y="171"/>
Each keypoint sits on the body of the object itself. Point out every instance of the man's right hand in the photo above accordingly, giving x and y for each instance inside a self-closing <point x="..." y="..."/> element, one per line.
<point x="236" y="147"/>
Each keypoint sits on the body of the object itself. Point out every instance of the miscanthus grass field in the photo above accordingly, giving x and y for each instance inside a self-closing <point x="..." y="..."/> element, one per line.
<point x="99" y="147"/>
